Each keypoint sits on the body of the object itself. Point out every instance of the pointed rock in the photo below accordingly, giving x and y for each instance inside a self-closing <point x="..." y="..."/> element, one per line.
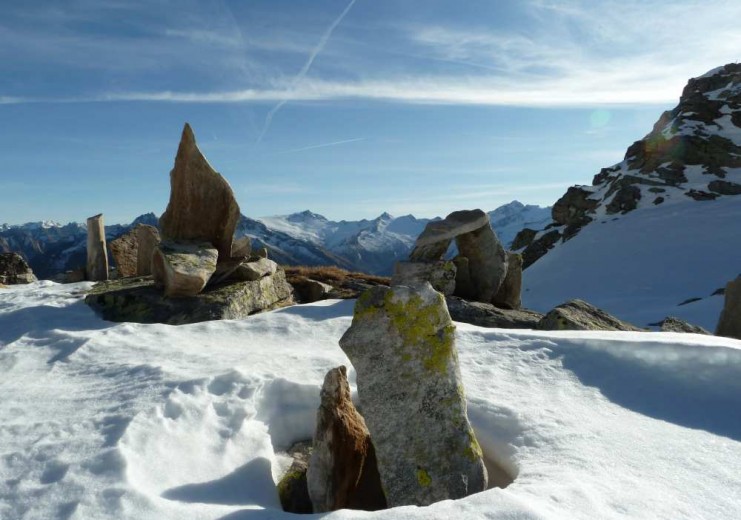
<point x="402" y="345"/>
<point x="183" y="268"/>
<point x="97" y="255"/>
<point x="342" y="471"/>
<point x="202" y="206"/>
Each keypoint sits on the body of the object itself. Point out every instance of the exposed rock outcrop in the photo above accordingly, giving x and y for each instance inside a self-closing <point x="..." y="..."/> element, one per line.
<point x="97" y="254"/>
<point x="672" y="324"/>
<point x="729" y="324"/>
<point x="342" y="472"/>
<point x="14" y="270"/>
<point x="402" y="345"/>
<point x="580" y="315"/>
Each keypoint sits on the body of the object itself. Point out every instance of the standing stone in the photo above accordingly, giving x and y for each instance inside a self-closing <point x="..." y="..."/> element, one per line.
<point x="97" y="256"/>
<point x="437" y="236"/>
<point x="440" y="274"/>
<point x="183" y="269"/>
<point x="509" y="295"/>
<point x="342" y="471"/>
<point x="487" y="261"/>
<point x="125" y="252"/>
<point x="15" y="270"/>
<point x="148" y="238"/>
<point x="729" y="324"/>
<point x="402" y="345"/>
<point x="202" y="206"/>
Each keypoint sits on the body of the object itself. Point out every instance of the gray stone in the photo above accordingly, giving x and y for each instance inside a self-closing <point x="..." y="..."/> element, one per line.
<point x="487" y="262"/>
<point x="260" y="253"/>
<point x="437" y="236"/>
<point x="580" y="315"/>
<point x="183" y="268"/>
<point x="147" y="238"/>
<point x="97" y="255"/>
<point x="309" y="290"/>
<point x="15" y="270"/>
<point x="729" y="324"/>
<point x="487" y="315"/>
<point x="242" y="247"/>
<point x="342" y="472"/>
<point x="402" y="345"/>
<point x="440" y="274"/>
<point x="254" y="270"/>
<point x="509" y="295"/>
<point x="672" y="324"/>
<point x="139" y="300"/>
<point x="202" y="206"/>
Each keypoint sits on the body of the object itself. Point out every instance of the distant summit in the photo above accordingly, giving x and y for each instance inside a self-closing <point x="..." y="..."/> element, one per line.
<point x="693" y="153"/>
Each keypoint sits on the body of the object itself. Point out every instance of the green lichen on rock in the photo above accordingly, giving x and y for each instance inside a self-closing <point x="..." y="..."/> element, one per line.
<point x="423" y="478"/>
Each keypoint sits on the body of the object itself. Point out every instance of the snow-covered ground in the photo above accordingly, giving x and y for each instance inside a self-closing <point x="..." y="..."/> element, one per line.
<point x="105" y="420"/>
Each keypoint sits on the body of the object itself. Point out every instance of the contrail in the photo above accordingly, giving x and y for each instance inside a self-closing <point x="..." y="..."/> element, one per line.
<point x="324" y="145"/>
<point x="305" y="69"/>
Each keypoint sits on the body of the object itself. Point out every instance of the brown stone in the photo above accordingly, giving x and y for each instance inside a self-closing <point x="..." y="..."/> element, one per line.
<point x="729" y="324"/>
<point x="124" y="250"/>
<point x="97" y="256"/>
<point x="509" y="295"/>
<point x="202" y="206"/>
<point x="148" y="238"/>
<point x="342" y="471"/>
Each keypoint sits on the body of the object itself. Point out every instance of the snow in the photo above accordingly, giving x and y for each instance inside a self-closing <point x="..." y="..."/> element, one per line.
<point x="106" y="420"/>
<point x="643" y="265"/>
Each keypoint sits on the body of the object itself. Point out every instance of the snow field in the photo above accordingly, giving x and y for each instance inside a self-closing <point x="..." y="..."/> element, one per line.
<point x="105" y="420"/>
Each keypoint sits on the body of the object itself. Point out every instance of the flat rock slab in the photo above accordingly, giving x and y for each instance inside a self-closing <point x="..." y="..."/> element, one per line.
<point x="434" y="241"/>
<point x="138" y="300"/>
<point x="402" y="345"/>
<point x="183" y="269"/>
<point x="487" y="315"/>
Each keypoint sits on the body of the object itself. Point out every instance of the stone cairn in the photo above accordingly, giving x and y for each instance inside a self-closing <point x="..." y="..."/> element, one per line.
<point x="97" y="255"/>
<point x="197" y="228"/>
<point x="483" y="271"/>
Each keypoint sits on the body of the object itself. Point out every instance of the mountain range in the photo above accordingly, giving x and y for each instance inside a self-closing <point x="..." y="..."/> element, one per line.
<point x="305" y="238"/>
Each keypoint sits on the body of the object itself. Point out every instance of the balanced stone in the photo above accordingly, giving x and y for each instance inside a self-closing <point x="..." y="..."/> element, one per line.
<point x="342" y="471"/>
<point x="729" y="324"/>
<point x="183" y="268"/>
<point x="440" y="274"/>
<point x="148" y="238"/>
<point x="402" y="345"/>
<point x="97" y="256"/>
<point x="509" y="295"/>
<point x="437" y="236"/>
<point x="202" y="206"/>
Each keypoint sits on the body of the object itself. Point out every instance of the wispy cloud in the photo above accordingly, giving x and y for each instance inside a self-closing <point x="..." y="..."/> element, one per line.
<point x="323" y="145"/>
<point x="307" y="66"/>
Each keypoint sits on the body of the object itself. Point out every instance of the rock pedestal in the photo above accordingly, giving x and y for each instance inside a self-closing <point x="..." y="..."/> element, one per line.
<point x="342" y="471"/>
<point x="729" y="324"/>
<point x="183" y="269"/>
<point x="402" y="345"/>
<point x="202" y="206"/>
<point x="509" y="295"/>
<point x="148" y="238"/>
<point x="97" y="256"/>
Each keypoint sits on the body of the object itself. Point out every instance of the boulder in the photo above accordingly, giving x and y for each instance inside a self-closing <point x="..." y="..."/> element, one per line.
<point x="125" y="250"/>
<point x="579" y="315"/>
<point x="15" y="270"/>
<point x="509" y="295"/>
<point x="147" y="238"/>
<point x="308" y="290"/>
<point x="487" y="262"/>
<point x="202" y="206"/>
<point x="139" y="300"/>
<point x="729" y="324"/>
<point x="293" y="489"/>
<point x="440" y="274"/>
<point x="402" y="345"/>
<point x="97" y="255"/>
<point x="487" y="315"/>
<point x="437" y="236"/>
<point x="342" y="471"/>
<point x="672" y="324"/>
<point x="254" y="270"/>
<point x="183" y="268"/>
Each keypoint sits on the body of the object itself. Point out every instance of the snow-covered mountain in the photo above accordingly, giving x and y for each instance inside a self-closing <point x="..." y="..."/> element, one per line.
<point x="659" y="228"/>
<point x="370" y="246"/>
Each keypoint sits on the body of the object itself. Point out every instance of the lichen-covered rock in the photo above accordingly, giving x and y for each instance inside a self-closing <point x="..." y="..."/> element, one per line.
<point x="202" y="206"/>
<point x="97" y="255"/>
<point x="183" y="268"/>
<point x="672" y="324"/>
<point x="729" y="324"/>
<point x="509" y="295"/>
<point x="440" y="274"/>
<point x="487" y="315"/>
<point x="580" y="315"/>
<point x="402" y="345"/>
<point x="342" y="472"/>
<point x="139" y="300"/>
<point x="147" y="239"/>
<point x="293" y="489"/>
<point x="255" y="269"/>
<point x="14" y="270"/>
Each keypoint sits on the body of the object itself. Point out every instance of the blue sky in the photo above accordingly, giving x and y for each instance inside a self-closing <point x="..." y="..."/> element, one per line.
<point x="345" y="108"/>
